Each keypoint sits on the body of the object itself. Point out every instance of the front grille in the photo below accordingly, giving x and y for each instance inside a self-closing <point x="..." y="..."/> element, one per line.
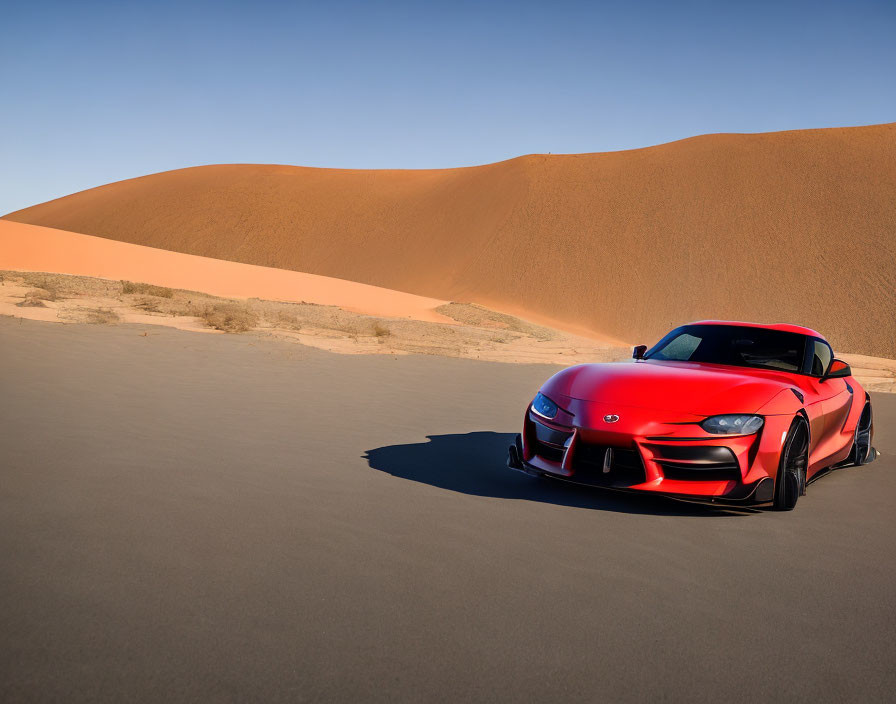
<point x="625" y="468"/>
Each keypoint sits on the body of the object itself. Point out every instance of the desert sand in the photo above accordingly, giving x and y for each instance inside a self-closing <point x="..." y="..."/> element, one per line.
<point x="792" y="226"/>
<point x="468" y="330"/>
<point x="41" y="249"/>
<point x="193" y="517"/>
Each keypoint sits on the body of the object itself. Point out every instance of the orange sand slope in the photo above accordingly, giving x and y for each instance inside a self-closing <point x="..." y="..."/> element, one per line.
<point x="33" y="248"/>
<point x="791" y="226"/>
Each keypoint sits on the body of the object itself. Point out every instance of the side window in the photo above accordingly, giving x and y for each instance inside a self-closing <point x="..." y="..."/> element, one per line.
<point x="821" y="358"/>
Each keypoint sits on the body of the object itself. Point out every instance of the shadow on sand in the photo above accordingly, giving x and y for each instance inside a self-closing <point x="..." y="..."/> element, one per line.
<point x="474" y="463"/>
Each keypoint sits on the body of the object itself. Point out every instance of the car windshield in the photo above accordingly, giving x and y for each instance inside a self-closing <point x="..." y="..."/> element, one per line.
<point x="734" y="345"/>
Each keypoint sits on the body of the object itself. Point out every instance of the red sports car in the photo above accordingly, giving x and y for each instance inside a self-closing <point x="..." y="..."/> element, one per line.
<point x="716" y="411"/>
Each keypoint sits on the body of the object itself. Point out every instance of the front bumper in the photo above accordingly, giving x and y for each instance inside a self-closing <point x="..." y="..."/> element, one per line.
<point x="676" y="459"/>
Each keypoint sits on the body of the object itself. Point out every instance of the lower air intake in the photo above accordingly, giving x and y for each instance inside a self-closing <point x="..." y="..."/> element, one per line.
<point x="602" y="465"/>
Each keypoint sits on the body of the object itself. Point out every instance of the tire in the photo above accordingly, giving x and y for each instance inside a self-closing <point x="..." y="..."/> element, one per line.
<point x="790" y="483"/>
<point x="862" y="452"/>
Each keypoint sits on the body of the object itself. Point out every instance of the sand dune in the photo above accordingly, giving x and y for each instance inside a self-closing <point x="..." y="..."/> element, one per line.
<point x="33" y="248"/>
<point x="797" y="226"/>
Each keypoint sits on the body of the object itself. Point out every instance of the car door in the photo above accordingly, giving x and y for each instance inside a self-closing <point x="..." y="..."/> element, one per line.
<point x="833" y="398"/>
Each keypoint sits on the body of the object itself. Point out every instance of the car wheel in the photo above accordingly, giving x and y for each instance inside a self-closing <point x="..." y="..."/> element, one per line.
<point x="861" y="445"/>
<point x="791" y="481"/>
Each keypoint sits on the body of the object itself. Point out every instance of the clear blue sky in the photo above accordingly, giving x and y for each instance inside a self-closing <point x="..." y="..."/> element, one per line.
<point x="94" y="92"/>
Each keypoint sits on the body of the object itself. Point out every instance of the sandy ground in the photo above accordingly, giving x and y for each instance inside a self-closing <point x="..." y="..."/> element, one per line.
<point x="789" y="226"/>
<point x="193" y="517"/>
<point x="470" y="331"/>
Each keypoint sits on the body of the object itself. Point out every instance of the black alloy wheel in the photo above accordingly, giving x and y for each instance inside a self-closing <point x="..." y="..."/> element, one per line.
<point x="862" y="452"/>
<point x="791" y="481"/>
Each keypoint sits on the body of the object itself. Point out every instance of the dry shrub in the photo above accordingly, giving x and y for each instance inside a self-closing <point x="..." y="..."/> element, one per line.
<point x="102" y="316"/>
<point x="43" y="287"/>
<point x="349" y="327"/>
<point x="229" y="317"/>
<point x="31" y="301"/>
<point x="381" y="330"/>
<point x="288" y="320"/>
<point x="479" y="316"/>
<point x="150" y="305"/>
<point x="43" y="294"/>
<point x="146" y="289"/>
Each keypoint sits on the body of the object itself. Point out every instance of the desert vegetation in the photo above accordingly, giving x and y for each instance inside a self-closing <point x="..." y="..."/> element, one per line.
<point x="480" y="316"/>
<point x="229" y="317"/>
<point x="35" y="299"/>
<point x="102" y="316"/>
<point x="43" y="287"/>
<point x="476" y="332"/>
<point x="129" y="287"/>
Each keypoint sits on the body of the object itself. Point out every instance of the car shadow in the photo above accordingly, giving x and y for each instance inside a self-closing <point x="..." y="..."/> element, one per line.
<point x="474" y="463"/>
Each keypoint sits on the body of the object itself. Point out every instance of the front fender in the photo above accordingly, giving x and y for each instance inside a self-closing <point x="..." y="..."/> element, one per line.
<point x="768" y="457"/>
<point x="785" y="402"/>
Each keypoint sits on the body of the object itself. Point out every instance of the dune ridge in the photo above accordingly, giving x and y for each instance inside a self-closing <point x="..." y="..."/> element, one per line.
<point x="793" y="226"/>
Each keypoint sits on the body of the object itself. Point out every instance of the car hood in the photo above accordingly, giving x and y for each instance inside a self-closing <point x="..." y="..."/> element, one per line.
<point x="684" y="387"/>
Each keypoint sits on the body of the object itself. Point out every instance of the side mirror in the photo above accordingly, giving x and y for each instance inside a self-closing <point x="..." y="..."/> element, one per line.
<point x="638" y="352"/>
<point x="837" y="370"/>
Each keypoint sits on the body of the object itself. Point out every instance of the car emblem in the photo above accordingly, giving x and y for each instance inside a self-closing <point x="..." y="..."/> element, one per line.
<point x="611" y="418"/>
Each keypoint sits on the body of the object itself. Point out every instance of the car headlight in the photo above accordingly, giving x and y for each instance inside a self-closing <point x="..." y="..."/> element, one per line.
<point x="732" y="424"/>
<point x="543" y="406"/>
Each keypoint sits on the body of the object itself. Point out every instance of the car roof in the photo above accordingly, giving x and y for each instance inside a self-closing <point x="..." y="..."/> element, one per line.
<point x="786" y="327"/>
